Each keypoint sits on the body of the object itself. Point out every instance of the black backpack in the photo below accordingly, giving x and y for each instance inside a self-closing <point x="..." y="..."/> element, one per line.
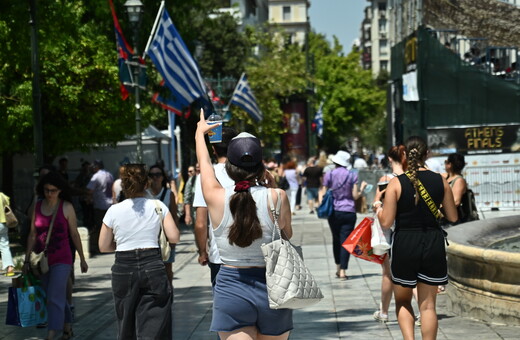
<point x="468" y="207"/>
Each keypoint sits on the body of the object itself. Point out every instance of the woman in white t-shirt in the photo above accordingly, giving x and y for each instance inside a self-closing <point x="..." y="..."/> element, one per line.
<point x="141" y="289"/>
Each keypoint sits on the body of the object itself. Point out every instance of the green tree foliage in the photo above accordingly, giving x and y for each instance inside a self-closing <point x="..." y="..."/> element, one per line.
<point x="277" y="73"/>
<point x="353" y="102"/>
<point x="80" y="95"/>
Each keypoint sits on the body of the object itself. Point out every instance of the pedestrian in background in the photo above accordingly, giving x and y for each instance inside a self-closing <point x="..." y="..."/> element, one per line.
<point x="100" y="189"/>
<point x="142" y="291"/>
<point x="189" y="193"/>
<point x="56" y="200"/>
<point x="454" y="166"/>
<point x="346" y="190"/>
<point x="397" y="161"/>
<point x="204" y="238"/>
<point x="312" y="175"/>
<point x="293" y="177"/>
<point x="7" y="258"/>
<point x="418" y="249"/>
<point x="241" y="308"/>
<point x="159" y="190"/>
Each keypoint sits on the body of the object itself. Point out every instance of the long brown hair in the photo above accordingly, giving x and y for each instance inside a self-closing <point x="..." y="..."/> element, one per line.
<point x="246" y="226"/>
<point x="416" y="152"/>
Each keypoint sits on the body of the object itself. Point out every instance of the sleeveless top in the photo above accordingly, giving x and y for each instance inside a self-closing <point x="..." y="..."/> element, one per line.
<point x="58" y="250"/>
<point x="418" y="217"/>
<point x="166" y="198"/>
<point x="234" y="255"/>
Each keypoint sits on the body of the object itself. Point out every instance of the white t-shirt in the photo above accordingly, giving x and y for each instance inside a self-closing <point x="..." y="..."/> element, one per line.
<point x="135" y="223"/>
<point x="198" y="201"/>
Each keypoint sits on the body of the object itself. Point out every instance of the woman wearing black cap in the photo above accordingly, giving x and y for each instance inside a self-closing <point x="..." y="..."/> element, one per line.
<point x="240" y="307"/>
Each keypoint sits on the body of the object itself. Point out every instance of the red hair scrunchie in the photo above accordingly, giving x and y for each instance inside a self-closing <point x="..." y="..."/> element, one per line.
<point x="242" y="186"/>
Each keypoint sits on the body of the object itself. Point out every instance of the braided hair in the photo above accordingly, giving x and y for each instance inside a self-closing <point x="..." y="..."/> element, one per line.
<point x="416" y="152"/>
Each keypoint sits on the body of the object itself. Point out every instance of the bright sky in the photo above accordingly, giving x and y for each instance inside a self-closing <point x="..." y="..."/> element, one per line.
<point x="341" y="18"/>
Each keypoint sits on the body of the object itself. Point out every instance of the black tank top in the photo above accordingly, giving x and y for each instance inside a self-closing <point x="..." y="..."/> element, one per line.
<point x="418" y="217"/>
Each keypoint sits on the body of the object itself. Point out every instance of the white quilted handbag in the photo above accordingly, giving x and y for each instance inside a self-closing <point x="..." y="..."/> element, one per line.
<point x="290" y="284"/>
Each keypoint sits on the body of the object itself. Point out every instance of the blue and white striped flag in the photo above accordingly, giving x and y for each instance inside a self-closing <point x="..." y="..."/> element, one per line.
<point x="175" y="63"/>
<point x="318" y="120"/>
<point x="243" y="97"/>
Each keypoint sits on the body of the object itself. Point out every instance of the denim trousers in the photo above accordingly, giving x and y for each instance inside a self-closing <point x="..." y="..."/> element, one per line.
<point x="54" y="282"/>
<point x="7" y="258"/>
<point x="142" y="295"/>
<point x="341" y="224"/>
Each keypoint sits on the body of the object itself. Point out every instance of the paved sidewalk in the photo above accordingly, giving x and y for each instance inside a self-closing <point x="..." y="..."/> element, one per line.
<point x="344" y="313"/>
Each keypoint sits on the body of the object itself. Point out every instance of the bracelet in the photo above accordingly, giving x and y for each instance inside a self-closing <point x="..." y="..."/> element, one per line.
<point x="376" y="203"/>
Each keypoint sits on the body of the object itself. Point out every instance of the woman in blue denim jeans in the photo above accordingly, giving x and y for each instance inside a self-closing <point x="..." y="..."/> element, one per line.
<point x="141" y="289"/>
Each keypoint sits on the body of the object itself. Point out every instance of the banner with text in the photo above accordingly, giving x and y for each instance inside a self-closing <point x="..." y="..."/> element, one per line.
<point x="471" y="140"/>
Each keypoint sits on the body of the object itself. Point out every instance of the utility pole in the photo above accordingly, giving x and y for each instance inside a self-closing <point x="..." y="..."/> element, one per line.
<point x="36" y="92"/>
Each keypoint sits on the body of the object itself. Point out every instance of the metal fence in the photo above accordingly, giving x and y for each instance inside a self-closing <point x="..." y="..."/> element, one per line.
<point x="495" y="186"/>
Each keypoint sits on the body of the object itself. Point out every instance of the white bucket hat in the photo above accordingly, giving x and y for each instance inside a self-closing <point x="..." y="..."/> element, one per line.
<point x="341" y="158"/>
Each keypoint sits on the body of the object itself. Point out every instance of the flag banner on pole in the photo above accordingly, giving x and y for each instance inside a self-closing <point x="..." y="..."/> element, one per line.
<point x="318" y="120"/>
<point x="166" y="101"/>
<point x="175" y="63"/>
<point x="244" y="98"/>
<point x="124" y="53"/>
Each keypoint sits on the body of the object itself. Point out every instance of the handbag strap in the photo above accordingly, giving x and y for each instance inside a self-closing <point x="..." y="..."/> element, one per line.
<point x="275" y="211"/>
<point x="54" y="213"/>
<point x="342" y="184"/>
<point x="426" y="197"/>
<point x="158" y="211"/>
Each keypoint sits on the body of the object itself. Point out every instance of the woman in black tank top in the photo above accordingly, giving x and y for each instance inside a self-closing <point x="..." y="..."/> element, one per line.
<point x="418" y="251"/>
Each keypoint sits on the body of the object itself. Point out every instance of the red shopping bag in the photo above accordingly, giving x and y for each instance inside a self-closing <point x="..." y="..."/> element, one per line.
<point x="358" y="242"/>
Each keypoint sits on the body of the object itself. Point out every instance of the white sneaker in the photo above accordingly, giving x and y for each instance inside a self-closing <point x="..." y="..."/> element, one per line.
<point x="380" y="316"/>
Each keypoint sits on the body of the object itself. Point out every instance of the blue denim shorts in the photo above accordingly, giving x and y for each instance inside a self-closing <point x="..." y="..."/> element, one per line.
<point x="240" y="300"/>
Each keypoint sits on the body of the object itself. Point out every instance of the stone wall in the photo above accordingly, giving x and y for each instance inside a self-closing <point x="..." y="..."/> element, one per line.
<point x="491" y="19"/>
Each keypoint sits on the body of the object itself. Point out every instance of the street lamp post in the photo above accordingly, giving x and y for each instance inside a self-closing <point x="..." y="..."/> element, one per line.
<point x="134" y="8"/>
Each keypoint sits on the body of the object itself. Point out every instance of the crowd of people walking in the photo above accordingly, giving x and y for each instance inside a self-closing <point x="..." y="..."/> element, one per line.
<point x="216" y="199"/>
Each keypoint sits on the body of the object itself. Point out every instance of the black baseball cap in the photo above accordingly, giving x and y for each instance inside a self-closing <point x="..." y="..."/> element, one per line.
<point x="245" y="150"/>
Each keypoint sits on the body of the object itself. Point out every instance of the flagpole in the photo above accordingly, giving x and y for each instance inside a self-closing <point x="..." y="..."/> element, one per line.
<point x="154" y="28"/>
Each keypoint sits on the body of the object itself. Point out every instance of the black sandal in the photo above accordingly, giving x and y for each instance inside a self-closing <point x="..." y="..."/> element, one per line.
<point x="67" y="335"/>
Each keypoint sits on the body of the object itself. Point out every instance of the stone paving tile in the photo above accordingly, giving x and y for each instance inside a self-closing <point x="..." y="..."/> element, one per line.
<point x="344" y="313"/>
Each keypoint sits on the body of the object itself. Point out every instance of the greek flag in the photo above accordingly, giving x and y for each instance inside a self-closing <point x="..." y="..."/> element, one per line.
<point x="175" y="63"/>
<point x="318" y="120"/>
<point x="243" y="97"/>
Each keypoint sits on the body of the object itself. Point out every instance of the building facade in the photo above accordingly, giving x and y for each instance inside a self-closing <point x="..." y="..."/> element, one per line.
<point x="292" y="17"/>
<point x="375" y="41"/>
<point x="247" y="12"/>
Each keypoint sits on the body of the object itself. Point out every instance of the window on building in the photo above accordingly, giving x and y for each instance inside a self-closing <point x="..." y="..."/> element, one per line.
<point x="382" y="25"/>
<point x="286" y="13"/>
<point x="383" y="47"/>
<point x="383" y="65"/>
<point x="381" y="6"/>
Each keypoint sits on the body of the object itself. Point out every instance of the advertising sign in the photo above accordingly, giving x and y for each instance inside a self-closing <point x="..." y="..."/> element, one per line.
<point x="474" y="140"/>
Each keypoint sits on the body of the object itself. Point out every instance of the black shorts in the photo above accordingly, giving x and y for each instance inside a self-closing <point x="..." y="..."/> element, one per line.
<point x="419" y="256"/>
